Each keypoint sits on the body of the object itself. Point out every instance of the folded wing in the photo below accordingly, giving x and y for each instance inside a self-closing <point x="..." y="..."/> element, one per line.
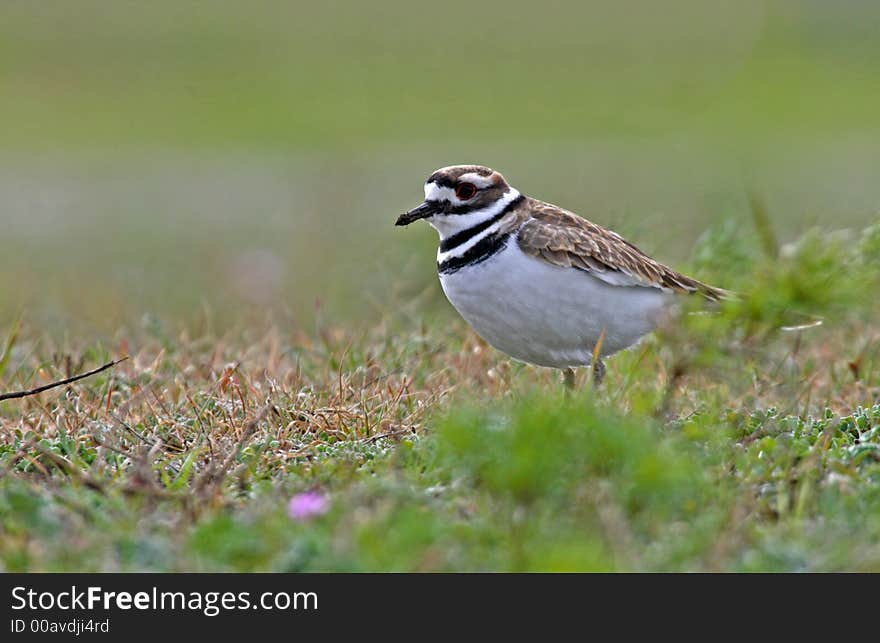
<point x="564" y="239"/>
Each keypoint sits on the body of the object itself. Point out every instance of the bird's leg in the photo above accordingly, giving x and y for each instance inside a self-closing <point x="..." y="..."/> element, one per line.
<point x="598" y="369"/>
<point x="597" y="365"/>
<point x="568" y="376"/>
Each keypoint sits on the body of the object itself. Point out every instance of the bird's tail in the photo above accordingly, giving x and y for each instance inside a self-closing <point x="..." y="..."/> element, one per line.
<point x="713" y="293"/>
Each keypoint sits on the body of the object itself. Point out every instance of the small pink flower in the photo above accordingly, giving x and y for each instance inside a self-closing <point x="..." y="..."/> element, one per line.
<point x="307" y="505"/>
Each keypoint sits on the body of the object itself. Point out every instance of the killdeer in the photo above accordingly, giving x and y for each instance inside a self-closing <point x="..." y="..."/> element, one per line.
<point x="539" y="282"/>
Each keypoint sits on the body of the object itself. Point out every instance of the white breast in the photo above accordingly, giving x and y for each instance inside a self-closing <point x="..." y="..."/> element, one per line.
<point x="548" y="315"/>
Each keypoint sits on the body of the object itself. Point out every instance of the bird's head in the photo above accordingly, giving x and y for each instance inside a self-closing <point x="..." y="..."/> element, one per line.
<point x="455" y="191"/>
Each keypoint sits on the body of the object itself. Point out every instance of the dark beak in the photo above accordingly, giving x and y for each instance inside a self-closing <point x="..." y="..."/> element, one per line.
<point x="427" y="209"/>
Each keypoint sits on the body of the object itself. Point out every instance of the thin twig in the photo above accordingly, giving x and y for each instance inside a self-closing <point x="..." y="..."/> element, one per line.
<point x="69" y="380"/>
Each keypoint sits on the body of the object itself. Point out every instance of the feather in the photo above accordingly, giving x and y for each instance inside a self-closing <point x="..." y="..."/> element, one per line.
<point x="564" y="239"/>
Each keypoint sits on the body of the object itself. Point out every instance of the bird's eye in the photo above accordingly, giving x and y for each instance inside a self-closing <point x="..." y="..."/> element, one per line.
<point x="466" y="191"/>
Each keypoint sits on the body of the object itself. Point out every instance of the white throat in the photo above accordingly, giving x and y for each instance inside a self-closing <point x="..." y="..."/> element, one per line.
<point x="449" y="224"/>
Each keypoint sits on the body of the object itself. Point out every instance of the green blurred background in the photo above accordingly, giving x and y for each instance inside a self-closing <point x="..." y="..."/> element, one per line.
<point x="168" y="158"/>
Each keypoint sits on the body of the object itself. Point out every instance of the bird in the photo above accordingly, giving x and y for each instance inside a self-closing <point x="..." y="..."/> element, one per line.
<point x="538" y="282"/>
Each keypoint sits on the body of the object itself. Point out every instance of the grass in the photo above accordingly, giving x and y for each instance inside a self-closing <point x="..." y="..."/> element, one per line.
<point x="721" y="443"/>
<point x="157" y="158"/>
<point x="341" y="75"/>
<point x="213" y="193"/>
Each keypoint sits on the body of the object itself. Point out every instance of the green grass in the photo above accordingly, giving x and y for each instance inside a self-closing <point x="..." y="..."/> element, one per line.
<point x="343" y="74"/>
<point x="721" y="443"/>
<point x="160" y="158"/>
<point x="212" y="192"/>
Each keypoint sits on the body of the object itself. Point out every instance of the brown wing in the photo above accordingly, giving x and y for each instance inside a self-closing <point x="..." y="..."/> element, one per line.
<point x="565" y="239"/>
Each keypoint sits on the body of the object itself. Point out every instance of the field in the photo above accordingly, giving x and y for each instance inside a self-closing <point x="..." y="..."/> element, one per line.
<point x="212" y="194"/>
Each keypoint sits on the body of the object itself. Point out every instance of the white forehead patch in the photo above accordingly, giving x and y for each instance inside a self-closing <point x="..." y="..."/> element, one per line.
<point x="477" y="179"/>
<point x="434" y="192"/>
